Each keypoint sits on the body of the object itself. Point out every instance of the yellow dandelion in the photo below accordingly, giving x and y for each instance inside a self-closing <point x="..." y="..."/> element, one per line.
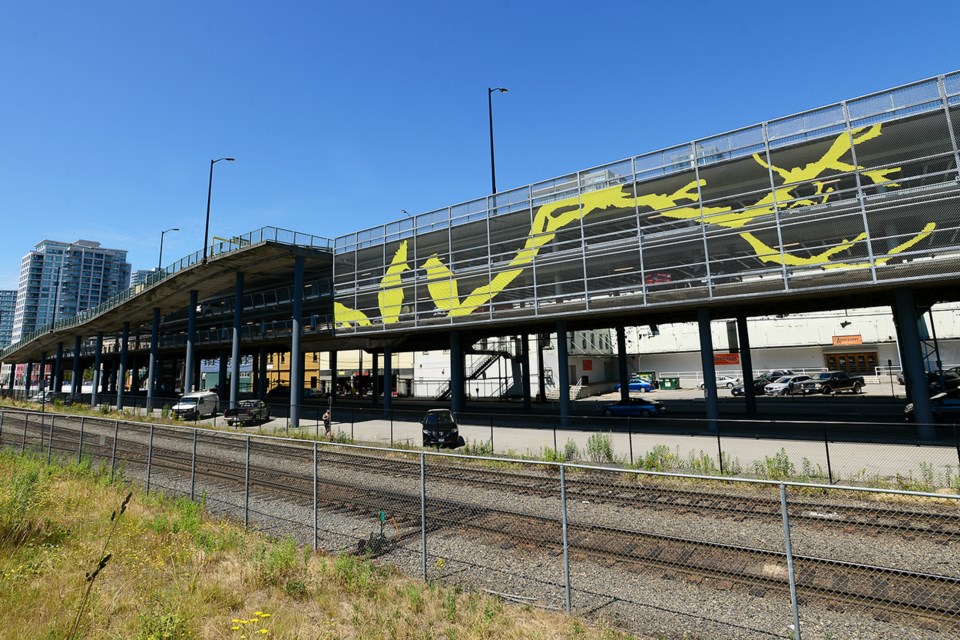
<point x="235" y="627"/>
<point x="265" y="615"/>
<point x="258" y="613"/>
<point x="264" y="631"/>
<point x="236" y="620"/>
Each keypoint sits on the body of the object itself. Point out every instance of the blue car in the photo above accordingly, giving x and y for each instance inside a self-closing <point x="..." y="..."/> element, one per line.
<point x="637" y="385"/>
<point x="638" y="407"/>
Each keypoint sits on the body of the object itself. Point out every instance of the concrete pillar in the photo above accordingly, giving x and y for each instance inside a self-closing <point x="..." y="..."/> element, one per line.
<point x="97" y="362"/>
<point x="235" y="351"/>
<point x="76" y="383"/>
<point x="905" y="312"/>
<point x="122" y="372"/>
<point x="387" y="381"/>
<point x="563" y="373"/>
<point x="333" y="377"/>
<point x="456" y="373"/>
<point x="622" y="371"/>
<point x="375" y="377"/>
<point x="296" y="356"/>
<point x="152" y="366"/>
<point x="746" y="366"/>
<point x="542" y="338"/>
<point x="222" y="392"/>
<point x="262" y="374"/>
<point x="189" y="380"/>
<point x="709" y="370"/>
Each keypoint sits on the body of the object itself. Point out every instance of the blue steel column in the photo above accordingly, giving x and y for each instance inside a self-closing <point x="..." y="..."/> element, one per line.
<point x="563" y="373"/>
<point x="709" y="370"/>
<point x="29" y="374"/>
<point x="57" y="384"/>
<point x="296" y="357"/>
<point x="97" y="363"/>
<point x="746" y="365"/>
<point x="456" y="373"/>
<point x="622" y="363"/>
<point x="152" y="366"/>
<point x="122" y="373"/>
<point x="77" y="382"/>
<point x="235" y="352"/>
<point x="905" y="311"/>
<point x="222" y="376"/>
<point x="333" y="377"/>
<point x="42" y="377"/>
<point x="262" y="374"/>
<point x="525" y="366"/>
<point x="375" y="377"/>
<point x="387" y="381"/>
<point x="191" y="338"/>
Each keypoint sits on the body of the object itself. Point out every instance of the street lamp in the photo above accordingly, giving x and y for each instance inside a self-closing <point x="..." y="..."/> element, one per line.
<point x="163" y="233"/>
<point x="206" y="228"/>
<point x="493" y="168"/>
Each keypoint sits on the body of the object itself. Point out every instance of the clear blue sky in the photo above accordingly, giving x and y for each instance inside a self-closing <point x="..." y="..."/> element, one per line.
<point x="340" y="114"/>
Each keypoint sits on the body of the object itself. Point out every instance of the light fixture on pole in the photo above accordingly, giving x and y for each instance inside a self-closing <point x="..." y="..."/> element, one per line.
<point x="163" y="233"/>
<point x="206" y="227"/>
<point x="493" y="167"/>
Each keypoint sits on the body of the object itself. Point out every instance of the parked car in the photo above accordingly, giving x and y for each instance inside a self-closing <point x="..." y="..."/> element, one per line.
<point x="773" y="374"/>
<point x="193" y="406"/>
<point x="637" y="385"/>
<point x="758" y="385"/>
<point x="785" y="385"/>
<point x="634" y="407"/>
<point x="280" y="391"/>
<point x="951" y="381"/>
<point x="247" y="412"/>
<point x="945" y="407"/>
<point x="440" y="429"/>
<point x="43" y="396"/>
<point x="830" y="381"/>
<point x="723" y="381"/>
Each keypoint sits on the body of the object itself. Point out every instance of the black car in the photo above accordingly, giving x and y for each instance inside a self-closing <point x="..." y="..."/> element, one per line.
<point x="758" y="385"/>
<point x="945" y="407"/>
<point x="440" y="429"/>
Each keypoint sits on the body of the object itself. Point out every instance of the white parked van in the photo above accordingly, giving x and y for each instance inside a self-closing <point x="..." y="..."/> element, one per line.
<point x="193" y="406"/>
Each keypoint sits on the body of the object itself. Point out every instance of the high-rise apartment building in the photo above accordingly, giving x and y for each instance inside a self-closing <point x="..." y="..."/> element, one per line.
<point x="60" y="279"/>
<point x="8" y="302"/>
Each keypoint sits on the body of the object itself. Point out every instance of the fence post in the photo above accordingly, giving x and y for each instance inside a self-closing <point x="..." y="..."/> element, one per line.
<point x="351" y="425"/>
<point x="391" y="428"/>
<point x="491" y="435"/>
<point x="149" y="458"/>
<point x="50" y="443"/>
<point x="193" y="465"/>
<point x="566" y="545"/>
<point x="246" y="488"/>
<point x="113" y="456"/>
<point x="790" y="571"/>
<point x="2" y="413"/>
<point x="423" y="516"/>
<point x="554" y="434"/>
<point x="956" y="440"/>
<point x="23" y="443"/>
<point x="630" y="437"/>
<point x="719" y="448"/>
<point x="80" y="445"/>
<point x="826" y="446"/>
<point x="316" y="524"/>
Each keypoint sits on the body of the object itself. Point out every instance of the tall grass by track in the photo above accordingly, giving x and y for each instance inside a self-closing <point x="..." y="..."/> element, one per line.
<point x="175" y="573"/>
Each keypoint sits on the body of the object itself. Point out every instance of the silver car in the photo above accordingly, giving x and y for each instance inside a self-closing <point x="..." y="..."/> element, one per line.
<point x="787" y="385"/>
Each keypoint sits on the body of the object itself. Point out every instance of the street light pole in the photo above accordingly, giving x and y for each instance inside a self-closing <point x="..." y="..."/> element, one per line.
<point x="493" y="166"/>
<point x="206" y="228"/>
<point x="163" y="233"/>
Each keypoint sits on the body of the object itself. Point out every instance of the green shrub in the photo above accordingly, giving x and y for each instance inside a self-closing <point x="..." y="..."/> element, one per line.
<point x="660" y="458"/>
<point x="276" y="561"/>
<point x="571" y="451"/>
<point x="776" y="467"/>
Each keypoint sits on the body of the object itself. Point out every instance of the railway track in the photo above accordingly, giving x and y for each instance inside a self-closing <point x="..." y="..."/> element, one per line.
<point x="284" y="471"/>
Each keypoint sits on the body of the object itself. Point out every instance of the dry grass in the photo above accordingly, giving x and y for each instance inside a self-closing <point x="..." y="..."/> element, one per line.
<point x="175" y="573"/>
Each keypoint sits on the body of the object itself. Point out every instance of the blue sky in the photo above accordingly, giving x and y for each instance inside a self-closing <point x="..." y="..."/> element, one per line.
<point x="341" y="114"/>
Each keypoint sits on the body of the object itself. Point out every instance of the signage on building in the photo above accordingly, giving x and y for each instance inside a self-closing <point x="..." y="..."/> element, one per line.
<point x="726" y="358"/>
<point x="588" y="365"/>
<point x="840" y="341"/>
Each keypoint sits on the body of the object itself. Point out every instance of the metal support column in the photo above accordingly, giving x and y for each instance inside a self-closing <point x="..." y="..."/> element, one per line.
<point x="296" y="356"/>
<point x="563" y="373"/>
<point x="122" y="373"/>
<point x="235" y="350"/>
<point x="191" y="338"/>
<point x="746" y="365"/>
<point x="76" y="383"/>
<point x="222" y="388"/>
<point x="28" y="375"/>
<point x="375" y="377"/>
<point x="57" y="381"/>
<point x="333" y="377"/>
<point x="623" y="374"/>
<point x="525" y="368"/>
<point x="97" y="363"/>
<point x="904" y="310"/>
<point x="152" y="365"/>
<point x="262" y="374"/>
<point x="387" y="382"/>
<point x="709" y="370"/>
<point x="456" y="373"/>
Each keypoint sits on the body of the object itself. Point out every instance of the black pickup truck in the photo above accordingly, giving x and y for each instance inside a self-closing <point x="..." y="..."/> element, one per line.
<point x="247" y="412"/>
<point x="832" y="381"/>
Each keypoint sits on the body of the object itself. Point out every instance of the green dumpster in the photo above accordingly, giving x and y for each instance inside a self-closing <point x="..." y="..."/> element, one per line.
<point x="670" y="383"/>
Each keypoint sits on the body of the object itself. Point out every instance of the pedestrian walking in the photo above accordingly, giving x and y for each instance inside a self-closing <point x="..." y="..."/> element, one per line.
<point x="326" y="422"/>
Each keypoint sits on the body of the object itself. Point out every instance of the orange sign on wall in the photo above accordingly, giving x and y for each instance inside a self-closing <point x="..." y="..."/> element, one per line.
<point x="588" y="365"/>
<point x="839" y="341"/>
<point x="726" y="358"/>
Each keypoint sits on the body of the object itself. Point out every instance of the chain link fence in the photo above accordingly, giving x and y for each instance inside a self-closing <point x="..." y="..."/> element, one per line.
<point x="675" y="555"/>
